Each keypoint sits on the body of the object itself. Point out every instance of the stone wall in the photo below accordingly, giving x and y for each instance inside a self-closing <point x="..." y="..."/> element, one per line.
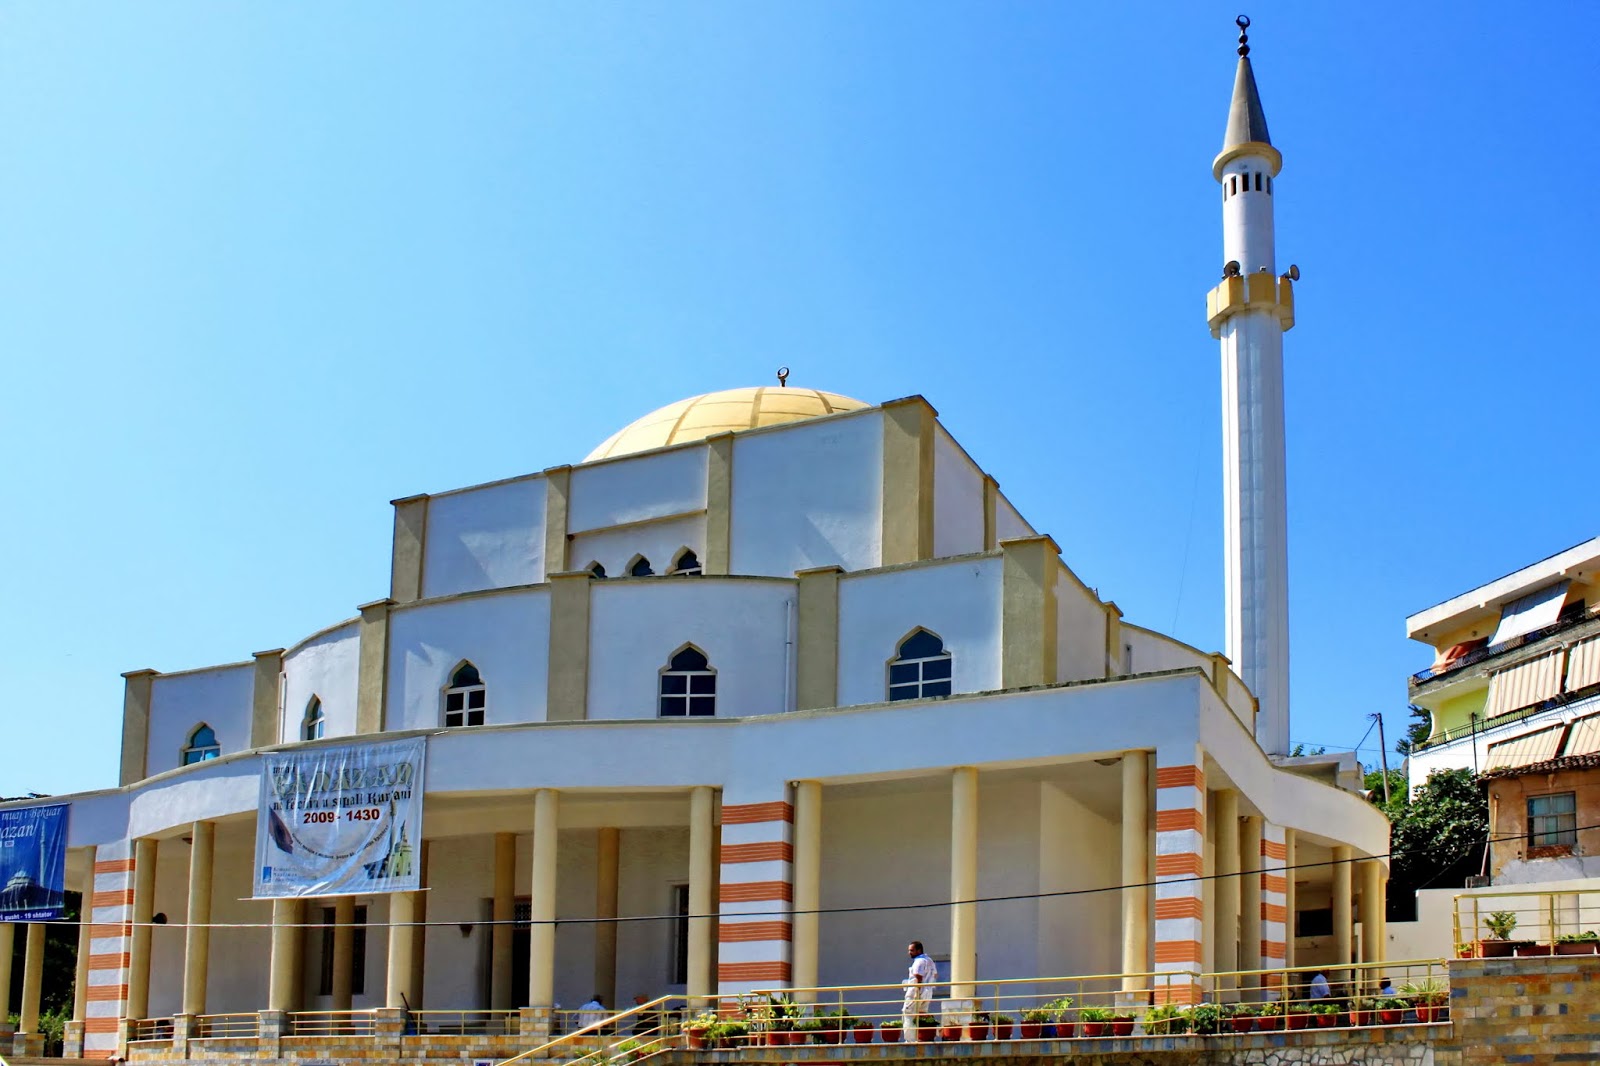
<point x="1534" y="1011"/>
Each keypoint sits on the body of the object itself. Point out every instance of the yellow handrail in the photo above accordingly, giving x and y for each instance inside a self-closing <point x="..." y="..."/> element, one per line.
<point x="593" y="1029"/>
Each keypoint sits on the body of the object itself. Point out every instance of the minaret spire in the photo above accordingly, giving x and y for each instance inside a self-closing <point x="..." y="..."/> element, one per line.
<point x="1248" y="313"/>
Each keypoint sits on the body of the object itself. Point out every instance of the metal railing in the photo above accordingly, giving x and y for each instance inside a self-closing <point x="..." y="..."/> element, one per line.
<point x="464" y="1022"/>
<point x="210" y="1026"/>
<point x="626" y="1037"/>
<point x="1472" y="658"/>
<point x="150" y="1029"/>
<point x="1526" y="923"/>
<point x="330" y="1023"/>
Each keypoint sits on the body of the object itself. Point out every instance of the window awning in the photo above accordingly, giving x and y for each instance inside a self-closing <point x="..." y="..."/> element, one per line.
<point x="1524" y="685"/>
<point x="1533" y="611"/>
<point x="1583" y="665"/>
<point x="1585" y="737"/>
<point x="1528" y="748"/>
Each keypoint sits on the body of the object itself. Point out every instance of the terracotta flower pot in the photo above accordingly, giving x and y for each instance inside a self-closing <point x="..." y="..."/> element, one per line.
<point x="1299" y="1021"/>
<point x="1122" y="1027"/>
<point x="891" y="1034"/>
<point x="696" y="1038"/>
<point x="1528" y="951"/>
<point x="1327" y="1021"/>
<point x="949" y="1033"/>
<point x="833" y="1036"/>
<point x="777" y="1039"/>
<point x="1002" y="1030"/>
<point x="862" y="1034"/>
<point x="977" y="1032"/>
<point x="1495" y="949"/>
<point x="1066" y="1030"/>
<point x="1426" y="1013"/>
<point x="926" y="1033"/>
<point x="1242" y="1024"/>
<point x="1391" y="1017"/>
<point x="1094" y="1028"/>
<point x="1030" y="1030"/>
<point x="1581" y="947"/>
<point x="1269" y="1024"/>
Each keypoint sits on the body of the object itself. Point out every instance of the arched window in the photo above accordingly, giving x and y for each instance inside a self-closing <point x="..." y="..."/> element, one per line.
<point x="921" y="669"/>
<point x="687" y="564"/>
<point x="688" y="685"/>
<point x="202" y="745"/>
<point x="466" y="699"/>
<point x="597" y="570"/>
<point x="640" y="567"/>
<point x="311" y="725"/>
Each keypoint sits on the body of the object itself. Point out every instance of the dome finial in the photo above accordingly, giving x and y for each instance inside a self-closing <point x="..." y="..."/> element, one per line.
<point x="783" y="377"/>
<point x="1243" y="22"/>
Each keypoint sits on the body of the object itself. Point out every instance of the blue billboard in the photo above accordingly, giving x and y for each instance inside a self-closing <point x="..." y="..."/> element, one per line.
<point x="33" y="863"/>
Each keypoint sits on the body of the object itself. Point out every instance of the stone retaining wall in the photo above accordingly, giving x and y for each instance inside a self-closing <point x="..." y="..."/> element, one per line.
<point x="1536" y="1011"/>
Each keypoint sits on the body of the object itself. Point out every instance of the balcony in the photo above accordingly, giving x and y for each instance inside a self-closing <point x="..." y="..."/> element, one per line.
<point x="1574" y="625"/>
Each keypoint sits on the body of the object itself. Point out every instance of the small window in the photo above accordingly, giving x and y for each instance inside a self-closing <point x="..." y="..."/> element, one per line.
<point x="1258" y="181"/>
<point x="640" y="567"/>
<point x="680" y="935"/>
<point x="202" y="745"/>
<point x="466" y="700"/>
<point x="1553" y="820"/>
<point x="311" y="726"/>
<point x="921" y="669"/>
<point x="1233" y="184"/>
<point x="688" y="686"/>
<point x="358" y="951"/>
<point x="597" y="570"/>
<point x="1269" y="184"/>
<point x="687" y="564"/>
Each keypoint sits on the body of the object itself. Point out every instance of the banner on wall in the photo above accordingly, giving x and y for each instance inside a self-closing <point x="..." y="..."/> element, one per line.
<point x="340" y="821"/>
<point x="33" y="863"/>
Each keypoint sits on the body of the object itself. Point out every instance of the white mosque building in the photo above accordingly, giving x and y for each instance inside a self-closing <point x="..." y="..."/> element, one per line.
<point x="763" y="655"/>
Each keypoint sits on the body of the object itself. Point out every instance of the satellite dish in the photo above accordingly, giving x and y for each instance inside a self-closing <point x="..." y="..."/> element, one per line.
<point x="1293" y="273"/>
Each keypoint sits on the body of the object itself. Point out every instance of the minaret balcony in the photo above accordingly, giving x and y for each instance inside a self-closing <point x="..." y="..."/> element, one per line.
<point x="1250" y="292"/>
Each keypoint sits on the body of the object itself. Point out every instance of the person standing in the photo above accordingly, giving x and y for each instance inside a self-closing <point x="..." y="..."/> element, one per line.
<point x="919" y="989"/>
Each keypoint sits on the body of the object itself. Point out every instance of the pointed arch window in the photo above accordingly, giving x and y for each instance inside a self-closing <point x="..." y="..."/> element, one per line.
<point x="312" y="725"/>
<point x="688" y="685"/>
<point x="597" y="570"/>
<point x="640" y="567"/>
<point x="922" y="668"/>
<point x="466" y="700"/>
<point x="202" y="745"/>
<point x="687" y="564"/>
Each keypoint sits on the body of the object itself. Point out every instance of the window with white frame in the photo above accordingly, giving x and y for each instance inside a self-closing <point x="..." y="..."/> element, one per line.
<point x="688" y="686"/>
<point x="1553" y="820"/>
<point x="640" y="567"/>
<point x="202" y="745"/>
<point x="687" y="564"/>
<point x="922" y="668"/>
<point x="466" y="699"/>
<point x="311" y="726"/>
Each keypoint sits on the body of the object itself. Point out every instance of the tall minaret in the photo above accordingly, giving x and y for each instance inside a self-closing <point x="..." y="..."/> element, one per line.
<point x="1249" y="312"/>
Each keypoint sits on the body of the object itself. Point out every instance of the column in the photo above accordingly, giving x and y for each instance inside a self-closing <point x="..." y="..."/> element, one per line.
<point x="283" y="978"/>
<point x="110" y="905"/>
<point x="756" y="891"/>
<point x="372" y="666"/>
<point x="1135" y="868"/>
<point x="144" y="899"/>
<point x="1273" y="949"/>
<point x="1250" y="897"/>
<point x="344" y="952"/>
<point x="1371" y="923"/>
<point x="80" y="979"/>
<point x="963" y="881"/>
<point x="1343" y="938"/>
<point x="807" y="883"/>
<point x="29" y="1039"/>
<point x="908" y="438"/>
<point x="1225" y="893"/>
<point x="419" y="930"/>
<point x="702" y="871"/>
<point x="1180" y="864"/>
<point x="1290" y="908"/>
<point x="501" y="938"/>
<point x="402" y="950"/>
<point x="607" y="856"/>
<point x="1382" y="909"/>
<point x="197" y="937"/>
<point x="719" y="504"/>
<point x="542" y="909"/>
<point x="8" y="943"/>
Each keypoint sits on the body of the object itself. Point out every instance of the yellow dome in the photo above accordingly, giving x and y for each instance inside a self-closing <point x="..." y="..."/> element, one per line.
<point x="730" y="410"/>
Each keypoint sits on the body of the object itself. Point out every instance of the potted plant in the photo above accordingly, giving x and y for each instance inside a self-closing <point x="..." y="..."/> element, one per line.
<point x="835" y="1023"/>
<point x="927" y="1028"/>
<point x="1205" y="1019"/>
<point x="1034" y="1021"/>
<point x="1298" y="1015"/>
<point x="1269" y="1016"/>
<point x="1061" y="1018"/>
<point x="1390" y="1011"/>
<point x="1500" y="925"/>
<point x="949" y="1031"/>
<point x="733" y="1033"/>
<point x="1165" y="1020"/>
<point x="1002" y="1026"/>
<point x="1427" y="998"/>
<point x="1095" y="1021"/>
<point x="977" y="1029"/>
<point x="891" y="1030"/>
<point x="1585" y="943"/>
<point x="1326" y="1015"/>
<point x="1242" y="1017"/>
<point x="697" y="1029"/>
<point x="1121" y="1023"/>
<point x="809" y="1029"/>
<point x="1528" y="948"/>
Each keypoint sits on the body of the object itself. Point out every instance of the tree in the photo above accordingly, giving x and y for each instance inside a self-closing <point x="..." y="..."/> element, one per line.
<point x="1437" y="835"/>
<point x="1417" y="731"/>
<point x="1300" y="750"/>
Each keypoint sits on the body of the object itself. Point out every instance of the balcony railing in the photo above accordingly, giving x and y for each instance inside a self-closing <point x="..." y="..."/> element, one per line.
<point x="1491" y="924"/>
<point x="1562" y="624"/>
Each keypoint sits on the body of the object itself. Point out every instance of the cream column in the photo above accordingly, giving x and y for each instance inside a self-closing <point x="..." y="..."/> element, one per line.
<point x="8" y="946"/>
<point x="607" y="857"/>
<point x="32" y="980"/>
<point x="1135" y="868"/>
<point x="144" y="899"/>
<point x="501" y="975"/>
<point x="1371" y="922"/>
<point x="963" y="881"/>
<point x="284" y="969"/>
<point x="1250" y="894"/>
<point x="1382" y="909"/>
<point x="344" y="952"/>
<point x="1289" y="905"/>
<point x="402" y="950"/>
<point x="542" y="908"/>
<point x="419" y="930"/>
<point x="80" y="982"/>
<point x="702" y="869"/>
<point x="807" y="883"/>
<point x="197" y="937"/>
<point x="1226" y="892"/>
<point x="1343" y="938"/>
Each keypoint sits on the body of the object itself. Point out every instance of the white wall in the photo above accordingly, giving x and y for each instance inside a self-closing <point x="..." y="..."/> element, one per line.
<point x="1008" y="521"/>
<point x="960" y="602"/>
<point x="1079" y="849"/>
<point x="635" y="488"/>
<point x="652" y="860"/>
<point x="506" y="635"/>
<point x="324" y="667"/>
<point x="460" y="881"/>
<point x="221" y="698"/>
<point x="1080" y="631"/>
<point x="957" y="498"/>
<point x="659" y="542"/>
<point x="1153" y="652"/>
<point x="636" y="625"/>
<point x="484" y="538"/>
<point x="809" y="496"/>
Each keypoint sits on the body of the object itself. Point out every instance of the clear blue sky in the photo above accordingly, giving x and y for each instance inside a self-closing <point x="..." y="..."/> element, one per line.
<point x="265" y="267"/>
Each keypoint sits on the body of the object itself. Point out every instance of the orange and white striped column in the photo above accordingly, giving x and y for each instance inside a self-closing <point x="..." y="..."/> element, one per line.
<point x="110" y="945"/>
<point x="754" y="934"/>
<point x="1180" y="862"/>
<point x="1274" y="897"/>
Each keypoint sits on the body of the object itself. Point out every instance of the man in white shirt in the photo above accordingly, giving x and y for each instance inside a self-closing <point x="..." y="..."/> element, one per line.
<point x="592" y="1013"/>
<point x="919" y="989"/>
